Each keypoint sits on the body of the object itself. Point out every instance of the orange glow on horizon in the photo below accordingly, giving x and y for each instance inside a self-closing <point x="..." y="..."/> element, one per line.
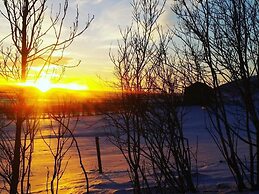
<point x="45" y="85"/>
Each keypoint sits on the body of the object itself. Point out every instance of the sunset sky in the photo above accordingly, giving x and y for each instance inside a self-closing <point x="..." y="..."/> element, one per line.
<point x="92" y="48"/>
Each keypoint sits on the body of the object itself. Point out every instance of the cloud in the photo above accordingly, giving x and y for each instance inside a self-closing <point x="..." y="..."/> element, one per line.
<point x="94" y="45"/>
<point x="81" y="2"/>
<point x="54" y="60"/>
<point x="167" y="18"/>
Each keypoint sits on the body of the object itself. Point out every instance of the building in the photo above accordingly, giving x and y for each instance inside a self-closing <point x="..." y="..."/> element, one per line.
<point x="198" y="94"/>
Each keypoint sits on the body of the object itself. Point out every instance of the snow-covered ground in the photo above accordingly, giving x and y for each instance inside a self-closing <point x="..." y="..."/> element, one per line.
<point x="213" y="174"/>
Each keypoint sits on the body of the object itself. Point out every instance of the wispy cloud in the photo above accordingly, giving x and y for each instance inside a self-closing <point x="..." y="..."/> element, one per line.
<point x="92" y="48"/>
<point x="80" y="2"/>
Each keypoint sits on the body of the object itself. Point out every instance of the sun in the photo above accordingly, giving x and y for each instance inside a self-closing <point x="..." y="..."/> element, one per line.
<point x="43" y="84"/>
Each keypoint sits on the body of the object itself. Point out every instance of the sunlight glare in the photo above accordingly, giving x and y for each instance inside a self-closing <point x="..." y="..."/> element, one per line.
<point x="45" y="85"/>
<point x="71" y="86"/>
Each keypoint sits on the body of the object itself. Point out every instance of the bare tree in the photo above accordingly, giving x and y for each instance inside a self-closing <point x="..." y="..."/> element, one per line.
<point x="60" y="134"/>
<point x="220" y="41"/>
<point x="134" y="57"/>
<point x="6" y="159"/>
<point x="30" y="129"/>
<point x="149" y="131"/>
<point x="69" y="131"/>
<point x="27" y="33"/>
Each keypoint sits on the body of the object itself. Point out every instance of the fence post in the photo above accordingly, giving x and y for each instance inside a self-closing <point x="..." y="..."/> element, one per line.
<point x="98" y="155"/>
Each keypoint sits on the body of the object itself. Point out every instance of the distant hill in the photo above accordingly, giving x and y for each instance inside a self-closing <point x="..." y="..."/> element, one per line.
<point x="201" y="94"/>
<point x="232" y="88"/>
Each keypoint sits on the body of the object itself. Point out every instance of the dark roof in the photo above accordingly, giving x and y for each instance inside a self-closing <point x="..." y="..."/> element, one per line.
<point x="198" y="94"/>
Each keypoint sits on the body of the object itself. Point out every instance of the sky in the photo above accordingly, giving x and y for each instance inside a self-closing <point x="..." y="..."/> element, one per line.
<point x="92" y="48"/>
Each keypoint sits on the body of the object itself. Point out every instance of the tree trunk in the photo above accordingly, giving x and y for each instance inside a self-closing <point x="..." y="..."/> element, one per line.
<point x="16" y="159"/>
<point x="21" y="104"/>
